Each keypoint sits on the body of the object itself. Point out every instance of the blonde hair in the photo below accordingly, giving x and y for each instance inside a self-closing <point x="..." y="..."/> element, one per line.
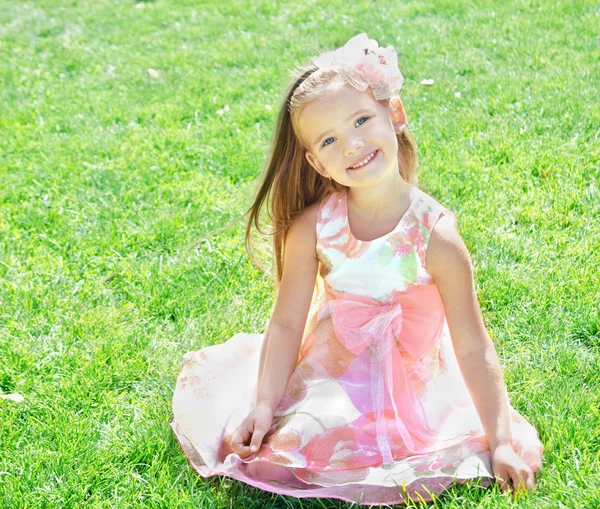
<point x="289" y="184"/>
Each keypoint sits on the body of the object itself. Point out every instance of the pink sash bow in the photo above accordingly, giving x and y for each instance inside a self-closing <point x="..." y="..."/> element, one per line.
<point x="410" y="321"/>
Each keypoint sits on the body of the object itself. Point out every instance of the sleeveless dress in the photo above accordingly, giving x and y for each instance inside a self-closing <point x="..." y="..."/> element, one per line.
<point x="376" y="410"/>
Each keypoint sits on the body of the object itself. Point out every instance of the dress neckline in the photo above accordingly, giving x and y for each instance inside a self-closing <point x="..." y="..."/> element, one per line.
<point x="415" y="199"/>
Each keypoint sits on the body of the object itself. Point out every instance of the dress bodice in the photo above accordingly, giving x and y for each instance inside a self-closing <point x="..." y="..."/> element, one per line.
<point x="382" y="266"/>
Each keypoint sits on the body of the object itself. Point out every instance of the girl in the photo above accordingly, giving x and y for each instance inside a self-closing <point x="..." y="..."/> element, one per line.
<point x="376" y="380"/>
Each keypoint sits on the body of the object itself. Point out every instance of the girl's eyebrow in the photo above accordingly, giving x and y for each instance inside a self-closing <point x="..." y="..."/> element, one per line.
<point x="363" y="110"/>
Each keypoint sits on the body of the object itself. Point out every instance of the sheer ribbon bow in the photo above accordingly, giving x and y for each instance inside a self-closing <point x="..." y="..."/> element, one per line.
<point x="411" y="321"/>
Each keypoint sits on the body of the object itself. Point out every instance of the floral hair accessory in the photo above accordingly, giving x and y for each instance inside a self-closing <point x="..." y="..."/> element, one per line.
<point x="364" y="64"/>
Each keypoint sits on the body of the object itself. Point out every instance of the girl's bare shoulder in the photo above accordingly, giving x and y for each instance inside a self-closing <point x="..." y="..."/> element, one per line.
<point x="446" y="248"/>
<point x="305" y="224"/>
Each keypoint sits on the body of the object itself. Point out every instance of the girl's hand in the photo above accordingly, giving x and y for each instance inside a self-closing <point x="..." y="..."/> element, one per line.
<point x="507" y="467"/>
<point x="254" y="426"/>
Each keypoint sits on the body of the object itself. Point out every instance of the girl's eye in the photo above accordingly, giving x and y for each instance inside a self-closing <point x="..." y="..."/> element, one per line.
<point x="325" y="142"/>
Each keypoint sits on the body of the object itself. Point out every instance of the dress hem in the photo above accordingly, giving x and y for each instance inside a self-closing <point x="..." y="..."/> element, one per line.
<point x="416" y="491"/>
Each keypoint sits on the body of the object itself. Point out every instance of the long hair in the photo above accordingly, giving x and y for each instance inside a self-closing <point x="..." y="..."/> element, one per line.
<point x="289" y="184"/>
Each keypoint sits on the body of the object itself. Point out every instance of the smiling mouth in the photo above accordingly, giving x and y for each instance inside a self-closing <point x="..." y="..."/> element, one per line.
<point x="372" y="157"/>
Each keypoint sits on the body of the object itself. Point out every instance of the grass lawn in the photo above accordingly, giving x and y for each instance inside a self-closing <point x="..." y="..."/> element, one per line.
<point x="128" y="130"/>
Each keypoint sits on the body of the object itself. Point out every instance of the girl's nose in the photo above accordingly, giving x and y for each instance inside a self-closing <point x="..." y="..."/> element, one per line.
<point x="353" y="147"/>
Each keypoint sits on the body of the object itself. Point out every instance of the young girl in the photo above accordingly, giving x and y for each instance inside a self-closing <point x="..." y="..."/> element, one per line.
<point x="376" y="380"/>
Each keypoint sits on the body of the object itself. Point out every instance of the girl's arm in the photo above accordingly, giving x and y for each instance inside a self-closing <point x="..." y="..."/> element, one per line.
<point x="281" y="345"/>
<point x="448" y="261"/>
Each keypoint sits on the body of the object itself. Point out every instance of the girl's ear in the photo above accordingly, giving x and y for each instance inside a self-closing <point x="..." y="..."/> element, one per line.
<point x="314" y="162"/>
<point x="397" y="113"/>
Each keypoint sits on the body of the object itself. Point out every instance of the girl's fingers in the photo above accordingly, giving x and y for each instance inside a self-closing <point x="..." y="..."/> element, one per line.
<point x="527" y="481"/>
<point x="235" y="441"/>
<point x="516" y="482"/>
<point x="531" y="483"/>
<point x="256" y="441"/>
<point x="238" y="446"/>
<point x="250" y="432"/>
<point x="502" y="480"/>
<point x="248" y="426"/>
<point x="240" y="436"/>
<point x="522" y="482"/>
<point x="500" y="483"/>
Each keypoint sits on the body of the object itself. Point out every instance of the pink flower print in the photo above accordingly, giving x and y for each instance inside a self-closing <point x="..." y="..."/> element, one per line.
<point x="352" y="445"/>
<point x="427" y="220"/>
<point x="284" y="440"/>
<point x="396" y="442"/>
<point x="321" y="448"/>
<point x="416" y="239"/>
<point x="332" y="223"/>
<point x="338" y="240"/>
<point x="335" y="230"/>
<point x="202" y="388"/>
<point x="414" y="235"/>
<point x="403" y="249"/>
<point x="421" y="374"/>
<point x="183" y="381"/>
<point x="400" y="243"/>
<point x="343" y="242"/>
<point x="296" y="388"/>
<point x="355" y="247"/>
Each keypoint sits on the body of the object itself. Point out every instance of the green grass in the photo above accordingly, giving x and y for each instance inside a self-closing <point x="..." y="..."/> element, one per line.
<point x="110" y="177"/>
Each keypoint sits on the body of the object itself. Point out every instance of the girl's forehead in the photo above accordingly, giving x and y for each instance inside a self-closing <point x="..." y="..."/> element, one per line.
<point x="337" y="103"/>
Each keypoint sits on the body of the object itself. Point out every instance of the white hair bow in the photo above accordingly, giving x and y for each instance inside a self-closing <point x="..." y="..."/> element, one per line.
<point x="364" y="64"/>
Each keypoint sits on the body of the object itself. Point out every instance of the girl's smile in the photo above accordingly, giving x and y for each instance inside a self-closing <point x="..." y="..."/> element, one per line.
<point x="365" y="161"/>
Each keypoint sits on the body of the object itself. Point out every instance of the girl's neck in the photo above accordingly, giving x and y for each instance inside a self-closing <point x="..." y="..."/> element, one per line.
<point x="382" y="200"/>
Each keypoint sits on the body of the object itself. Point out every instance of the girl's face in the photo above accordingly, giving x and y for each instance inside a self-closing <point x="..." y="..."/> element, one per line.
<point x="346" y="127"/>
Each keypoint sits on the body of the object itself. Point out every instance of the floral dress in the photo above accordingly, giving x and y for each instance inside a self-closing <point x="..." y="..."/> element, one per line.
<point x="376" y="410"/>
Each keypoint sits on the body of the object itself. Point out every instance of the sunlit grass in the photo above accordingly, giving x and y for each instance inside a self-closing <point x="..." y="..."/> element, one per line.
<point x="128" y="130"/>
